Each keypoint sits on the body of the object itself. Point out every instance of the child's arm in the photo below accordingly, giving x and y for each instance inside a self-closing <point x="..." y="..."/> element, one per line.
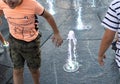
<point x="1" y="13"/>
<point x="57" y="39"/>
<point x="2" y="39"/>
<point x="4" y="42"/>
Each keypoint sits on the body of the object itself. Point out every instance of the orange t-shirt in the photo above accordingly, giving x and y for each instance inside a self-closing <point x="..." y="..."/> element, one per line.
<point x="21" y="19"/>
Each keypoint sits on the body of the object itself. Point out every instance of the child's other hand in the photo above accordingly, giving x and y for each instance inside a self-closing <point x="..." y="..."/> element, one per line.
<point x="101" y="59"/>
<point x="6" y="44"/>
<point x="57" y="39"/>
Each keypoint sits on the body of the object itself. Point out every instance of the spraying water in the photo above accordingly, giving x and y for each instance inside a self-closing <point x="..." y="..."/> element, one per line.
<point x="79" y="20"/>
<point x="80" y="25"/>
<point x="71" y="65"/>
<point x="93" y="3"/>
<point x="50" y="3"/>
<point x="77" y="4"/>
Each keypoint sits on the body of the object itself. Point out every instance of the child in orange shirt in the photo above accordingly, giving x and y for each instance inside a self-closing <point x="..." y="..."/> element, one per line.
<point x="24" y="38"/>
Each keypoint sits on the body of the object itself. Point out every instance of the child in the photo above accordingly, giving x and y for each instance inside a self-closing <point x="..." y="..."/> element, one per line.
<point x="111" y="23"/>
<point x="24" y="38"/>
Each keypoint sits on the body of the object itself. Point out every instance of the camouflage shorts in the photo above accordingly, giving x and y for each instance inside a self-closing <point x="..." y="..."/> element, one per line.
<point x="21" y="52"/>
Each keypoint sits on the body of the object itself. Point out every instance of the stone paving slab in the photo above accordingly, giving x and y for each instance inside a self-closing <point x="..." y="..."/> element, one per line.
<point x="90" y="20"/>
<point x="5" y="67"/>
<point x="53" y="58"/>
<point x="89" y="73"/>
<point x="5" y="74"/>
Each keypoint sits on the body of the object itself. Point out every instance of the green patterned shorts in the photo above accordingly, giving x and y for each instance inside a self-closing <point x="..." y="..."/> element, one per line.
<point x="21" y="52"/>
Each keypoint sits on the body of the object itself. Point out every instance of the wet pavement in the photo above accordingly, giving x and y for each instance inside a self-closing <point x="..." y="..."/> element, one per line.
<point x="84" y="18"/>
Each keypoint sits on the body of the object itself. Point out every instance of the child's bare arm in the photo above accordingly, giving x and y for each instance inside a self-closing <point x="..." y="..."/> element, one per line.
<point x="2" y="38"/>
<point x="1" y="13"/>
<point x="57" y="39"/>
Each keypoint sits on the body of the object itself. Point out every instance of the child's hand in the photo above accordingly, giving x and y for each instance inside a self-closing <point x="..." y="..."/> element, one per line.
<point x="6" y="44"/>
<point x="101" y="59"/>
<point x="57" y="39"/>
